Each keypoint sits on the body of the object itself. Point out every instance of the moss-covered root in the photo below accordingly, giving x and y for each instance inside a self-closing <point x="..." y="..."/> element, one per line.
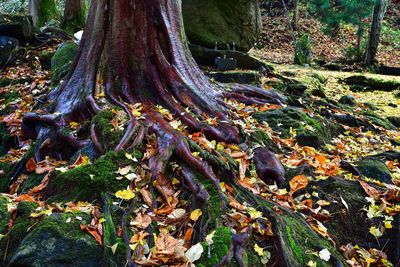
<point x="297" y="242"/>
<point x="218" y="250"/>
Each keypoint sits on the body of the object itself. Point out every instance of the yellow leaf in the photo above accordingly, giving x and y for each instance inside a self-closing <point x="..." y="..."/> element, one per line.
<point x="101" y="220"/>
<point x="114" y="248"/>
<point x="259" y="250"/>
<point x="41" y="213"/>
<point x="375" y="232"/>
<point x="194" y="216"/>
<point x="388" y="225"/>
<point x="175" y="181"/>
<point x="125" y="194"/>
<point x="254" y="214"/>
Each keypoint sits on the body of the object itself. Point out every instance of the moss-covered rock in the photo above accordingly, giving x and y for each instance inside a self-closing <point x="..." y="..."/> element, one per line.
<point x="21" y="226"/>
<point x="45" y="59"/>
<point x="56" y="242"/>
<point x="303" y="53"/>
<point x="17" y="26"/>
<point x="348" y="100"/>
<point x="89" y="181"/>
<point x="379" y="120"/>
<point x="375" y="169"/>
<point x="62" y="60"/>
<point x="364" y="83"/>
<point x="215" y="252"/>
<point x="208" y="22"/>
<point x="245" y="77"/>
<point x="310" y="131"/>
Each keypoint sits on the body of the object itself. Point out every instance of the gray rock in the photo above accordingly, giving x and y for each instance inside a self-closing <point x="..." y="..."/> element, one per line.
<point x="17" y="26"/>
<point x="7" y="45"/>
<point x="225" y="22"/>
<point x="54" y="242"/>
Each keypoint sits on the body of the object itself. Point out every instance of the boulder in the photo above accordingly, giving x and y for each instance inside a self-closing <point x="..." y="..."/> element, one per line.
<point x="62" y="60"/>
<point x="56" y="242"/>
<point x="348" y="100"/>
<point x="225" y="22"/>
<point x="245" y="77"/>
<point x="17" y="26"/>
<point x="367" y="83"/>
<point x="7" y="45"/>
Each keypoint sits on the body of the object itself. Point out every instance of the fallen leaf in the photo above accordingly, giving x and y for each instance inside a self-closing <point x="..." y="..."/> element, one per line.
<point x="194" y="253"/>
<point x="194" y="215"/>
<point x="125" y="194"/>
<point x="297" y="183"/>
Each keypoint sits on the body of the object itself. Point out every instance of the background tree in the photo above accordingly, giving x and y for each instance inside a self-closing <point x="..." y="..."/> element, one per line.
<point x="375" y="31"/>
<point x="43" y="11"/>
<point x="74" y="15"/>
<point x="336" y="13"/>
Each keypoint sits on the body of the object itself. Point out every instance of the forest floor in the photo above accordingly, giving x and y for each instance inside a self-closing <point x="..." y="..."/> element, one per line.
<point x="351" y="142"/>
<point x="276" y="42"/>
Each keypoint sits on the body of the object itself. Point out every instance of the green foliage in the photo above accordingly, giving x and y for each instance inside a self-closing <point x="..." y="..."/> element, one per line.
<point x="335" y="13"/>
<point x="391" y="37"/>
<point x="354" y="53"/>
<point x="47" y="12"/>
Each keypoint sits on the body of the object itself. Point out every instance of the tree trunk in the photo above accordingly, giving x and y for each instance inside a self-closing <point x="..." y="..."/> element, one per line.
<point x="43" y="11"/>
<point x="74" y="15"/>
<point x="33" y="11"/>
<point x="135" y="53"/>
<point x="295" y="14"/>
<point x="375" y="31"/>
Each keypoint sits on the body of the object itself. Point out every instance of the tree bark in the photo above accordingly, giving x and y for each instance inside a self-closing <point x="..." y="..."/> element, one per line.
<point x="74" y="15"/>
<point x="33" y="11"/>
<point x="375" y="31"/>
<point x="295" y="14"/>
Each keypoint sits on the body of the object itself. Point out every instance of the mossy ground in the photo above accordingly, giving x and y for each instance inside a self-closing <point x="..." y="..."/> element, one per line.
<point x="215" y="252"/>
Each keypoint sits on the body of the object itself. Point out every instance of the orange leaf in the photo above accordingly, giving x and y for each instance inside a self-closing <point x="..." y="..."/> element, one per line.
<point x="298" y="182"/>
<point x="25" y="197"/>
<point x="188" y="235"/>
<point x="321" y="159"/>
<point x="93" y="232"/>
<point x="31" y="165"/>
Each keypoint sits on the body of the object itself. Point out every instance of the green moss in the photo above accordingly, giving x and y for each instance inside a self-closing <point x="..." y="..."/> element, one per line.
<point x="4" y="178"/>
<point x="368" y="83"/>
<point x="314" y="131"/>
<point x="54" y="240"/>
<point x="107" y="134"/>
<point x="47" y="12"/>
<point x="251" y="259"/>
<point x="31" y="181"/>
<point x="378" y="120"/>
<point x="20" y="228"/>
<point x="222" y="241"/>
<point x="5" y="216"/>
<point x="89" y="181"/>
<point x="375" y="169"/>
<point x="62" y="60"/>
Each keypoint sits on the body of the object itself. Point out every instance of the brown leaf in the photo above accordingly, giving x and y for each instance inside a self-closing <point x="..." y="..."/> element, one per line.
<point x="142" y="221"/>
<point x="31" y="165"/>
<point x="93" y="232"/>
<point x="371" y="191"/>
<point x="166" y="244"/>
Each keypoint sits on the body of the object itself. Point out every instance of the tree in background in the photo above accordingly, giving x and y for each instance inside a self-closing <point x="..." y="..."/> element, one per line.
<point x="334" y="13"/>
<point x="43" y="11"/>
<point x="74" y="15"/>
<point x="375" y="31"/>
